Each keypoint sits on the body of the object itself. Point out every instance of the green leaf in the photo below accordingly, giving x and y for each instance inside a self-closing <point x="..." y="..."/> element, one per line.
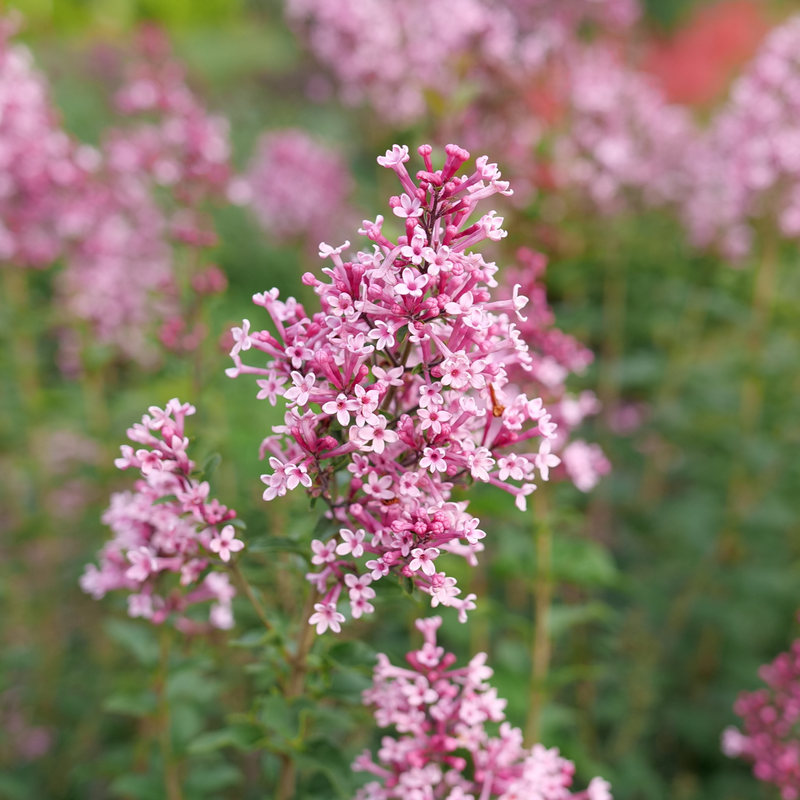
<point x="277" y="544"/>
<point x="583" y="562"/>
<point x="562" y="618"/>
<point x="140" y="787"/>
<point x="137" y="639"/>
<point x="167" y="498"/>
<point x="240" y="737"/>
<point x="210" y="465"/>
<point x="352" y="653"/>
<point x="206" y="778"/>
<point x="139" y="704"/>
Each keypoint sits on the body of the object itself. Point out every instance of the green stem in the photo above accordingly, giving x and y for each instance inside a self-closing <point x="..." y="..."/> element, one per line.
<point x="543" y="598"/>
<point x="172" y="781"/>
<point x="295" y="687"/>
<point x="740" y="485"/>
<point x="250" y="594"/>
<point x="23" y="345"/>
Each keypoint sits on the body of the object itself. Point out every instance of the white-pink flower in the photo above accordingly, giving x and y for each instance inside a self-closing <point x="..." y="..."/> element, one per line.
<point x="226" y="543"/>
<point x="326" y="616"/>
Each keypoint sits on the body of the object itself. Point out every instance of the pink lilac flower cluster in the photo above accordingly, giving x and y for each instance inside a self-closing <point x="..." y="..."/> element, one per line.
<point x="445" y="751"/>
<point x="398" y="389"/>
<point x="118" y="268"/>
<point x="747" y="166"/>
<point x="121" y="274"/>
<point x="296" y="186"/>
<point x="169" y="538"/>
<point x="39" y="164"/>
<point x="771" y="716"/>
<point x="183" y="147"/>
<point x="393" y="71"/>
<point x="622" y="142"/>
<point x="555" y="356"/>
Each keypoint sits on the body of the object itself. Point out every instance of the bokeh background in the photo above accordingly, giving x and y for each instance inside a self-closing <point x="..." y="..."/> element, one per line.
<point x="676" y="577"/>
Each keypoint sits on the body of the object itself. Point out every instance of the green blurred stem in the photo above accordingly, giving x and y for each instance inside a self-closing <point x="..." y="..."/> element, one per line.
<point x="612" y="345"/>
<point x="250" y="594"/>
<point x="295" y="687"/>
<point x="172" y="781"/>
<point x="740" y="484"/>
<point x="23" y="345"/>
<point x="93" y="389"/>
<point x="543" y="598"/>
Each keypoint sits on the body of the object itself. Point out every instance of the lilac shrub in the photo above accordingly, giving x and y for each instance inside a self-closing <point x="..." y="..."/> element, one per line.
<point x="170" y="540"/>
<point x="444" y="751"/>
<point x="397" y="390"/>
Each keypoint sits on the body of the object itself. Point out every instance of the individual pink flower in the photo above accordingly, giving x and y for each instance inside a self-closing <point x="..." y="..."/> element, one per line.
<point x="326" y="616"/>
<point x="226" y="543"/>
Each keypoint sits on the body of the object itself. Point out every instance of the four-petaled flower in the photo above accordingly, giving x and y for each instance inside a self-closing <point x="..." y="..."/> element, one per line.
<point x="351" y="542"/>
<point x="423" y="559"/>
<point x="226" y="543"/>
<point x="326" y="616"/>
<point x="323" y="551"/>
<point x="341" y="406"/>
<point x="241" y="338"/>
<point x="271" y="387"/>
<point x="433" y="459"/>
<point x="303" y="384"/>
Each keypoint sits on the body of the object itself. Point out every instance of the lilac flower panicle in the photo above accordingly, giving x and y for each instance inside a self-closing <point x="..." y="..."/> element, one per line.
<point x="443" y="751"/>
<point x="40" y="166"/>
<point x="474" y="40"/>
<point x="770" y="716"/>
<point x="624" y="142"/>
<point x="554" y="357"/>
<point x="121" y="275"/>
<point x="296" y="186"/>
<point x="398" y="389"/>
<point x="168" y="533"/>
<point x="747" y="165"/>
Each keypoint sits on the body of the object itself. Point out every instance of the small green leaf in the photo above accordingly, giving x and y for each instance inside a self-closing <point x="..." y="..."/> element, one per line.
<point x="210" y="465"/>
<point x="277" y="544"/>
<point x="136" y="638"/>
<point x="240" y="737"/>
<point x="167" y="498"/>
<point x="140" y="704"/>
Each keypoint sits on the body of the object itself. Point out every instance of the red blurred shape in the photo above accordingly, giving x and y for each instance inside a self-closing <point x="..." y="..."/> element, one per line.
<point x="696" y="64"/>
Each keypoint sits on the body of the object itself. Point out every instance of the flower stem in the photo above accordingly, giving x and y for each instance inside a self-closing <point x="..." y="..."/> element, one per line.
<point x="294" y="688"/>
<point x="172" y="782"/>
<point x="740" y="485"/>
<point x="250" y="594"/>
<point x="543" y="597"/>
<point x="17" y="302"/>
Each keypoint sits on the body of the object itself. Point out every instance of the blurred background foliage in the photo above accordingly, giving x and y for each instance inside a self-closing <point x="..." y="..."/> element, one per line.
<point x="676" y="578"/>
